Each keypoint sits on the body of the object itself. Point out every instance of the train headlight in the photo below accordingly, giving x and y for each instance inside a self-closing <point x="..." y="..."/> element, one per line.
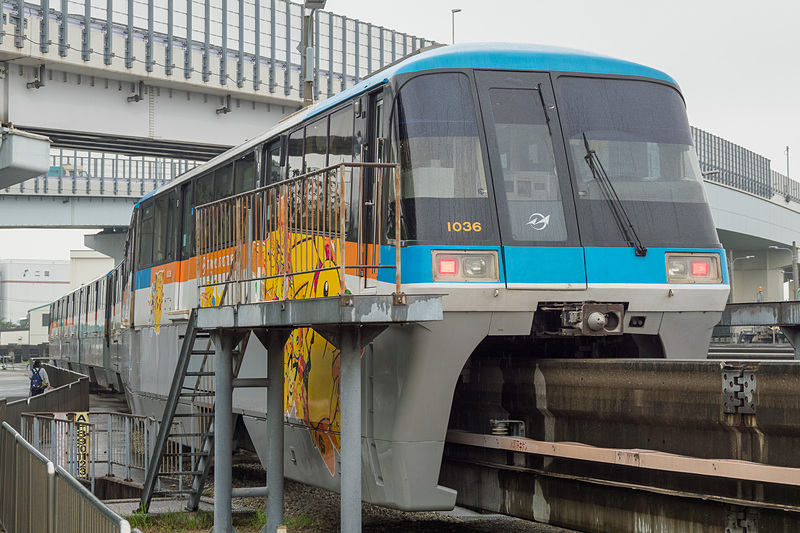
<point x="449" y="265"/>
<point x="693" y="268"/>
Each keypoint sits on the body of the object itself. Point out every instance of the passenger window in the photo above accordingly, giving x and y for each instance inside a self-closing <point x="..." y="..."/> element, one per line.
<point x="341" y="137"/>
<point x="162" y="236"/>
<point x="223" y="182"/>
<point x="245" y="173"/>
<point x="273" y="163"/>
<point x="187" y="233"/>
<point x="205" y="189"/>
<point x="146" y="234"/>
<point x="295" y="161"/>
<point x="316" y="145"/>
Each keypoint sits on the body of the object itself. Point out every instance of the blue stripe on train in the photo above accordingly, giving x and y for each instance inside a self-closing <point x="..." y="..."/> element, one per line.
<point x="539" y="264"/>
<point x="143" y="278"/>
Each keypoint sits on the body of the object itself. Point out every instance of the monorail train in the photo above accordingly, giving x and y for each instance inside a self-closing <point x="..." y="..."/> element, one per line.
<point x="552" y="196"/>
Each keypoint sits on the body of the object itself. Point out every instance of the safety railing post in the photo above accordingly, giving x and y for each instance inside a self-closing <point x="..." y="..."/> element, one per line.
<point x="397" y="233"/>
<point x="36" y="433"/>
<point x="109" y="431"/>
<point x="342" y="282"/>
<point x="128" y="449"/>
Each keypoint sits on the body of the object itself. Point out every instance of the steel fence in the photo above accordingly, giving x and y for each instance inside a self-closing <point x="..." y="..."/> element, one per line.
<point x="80" y="173"/>
<point x="289" y="240"/>
<point x="38" y="496"/>
<point x="735" y="166"/>
<point x="244" y="44"/>
<point x="116" y="444"/>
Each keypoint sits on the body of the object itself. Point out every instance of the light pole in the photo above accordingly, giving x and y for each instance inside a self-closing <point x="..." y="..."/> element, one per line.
<point x="307" y="49"/>
<point x="732" y="266"/>
<point x="453" y="23"/>
<point x="793" y="251"/>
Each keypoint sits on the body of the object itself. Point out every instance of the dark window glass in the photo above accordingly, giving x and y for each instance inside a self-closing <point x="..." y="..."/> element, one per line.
<point x="223" y="182"/>
<point x="316" y="145"/>
<point x="273" y="163"/>
<point x="188" y="240"/>
<point x="161" y="229"/>
<point x="341" y="137"/>
<point x="46" y="319"/>
<point x="444" y="182"/>
<point x="641" y="136"/>
<point x="527" y="164"/>
<point x="205" y="190"/>
<point x="295" y="152"/>
<point x="245" y="173"/>
<point x="146" y="234"/>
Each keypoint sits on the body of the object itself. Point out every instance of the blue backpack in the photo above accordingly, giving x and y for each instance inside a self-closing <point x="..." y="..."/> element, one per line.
<point x="36" y="380"/>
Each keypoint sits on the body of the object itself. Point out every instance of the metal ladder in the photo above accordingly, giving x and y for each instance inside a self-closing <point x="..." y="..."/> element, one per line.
<point x="192" y="383"/>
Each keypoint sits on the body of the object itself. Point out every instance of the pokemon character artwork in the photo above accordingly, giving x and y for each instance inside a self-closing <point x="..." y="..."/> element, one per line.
<point x="311" y="362"/>
<point x="157" y="299"/>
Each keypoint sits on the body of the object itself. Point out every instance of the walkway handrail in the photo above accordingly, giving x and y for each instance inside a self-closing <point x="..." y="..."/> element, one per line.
<point x="289" y="240"/>
<point x="36" y="495"/>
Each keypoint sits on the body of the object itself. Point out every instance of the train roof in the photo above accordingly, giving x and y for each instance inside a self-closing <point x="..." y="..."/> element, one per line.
<point x="498" y="56"/>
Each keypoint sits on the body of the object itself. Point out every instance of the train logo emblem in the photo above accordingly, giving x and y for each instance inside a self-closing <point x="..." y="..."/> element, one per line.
<point x="538" y="221"/>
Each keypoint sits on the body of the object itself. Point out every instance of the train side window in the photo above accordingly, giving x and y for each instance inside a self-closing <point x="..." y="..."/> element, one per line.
<point x="223" y="182"/>
<point x="295" y="151"/>
<point x="205" y="189"/>
<point x="162" y="247"/>
<point x="341" y="143"/>
<point x="341" y="139"/>
<point x="316" y="145"/>
<point x="146" y="234"/>
<point x="188" y="240"/>
<point x="273" y="163"/>
<point x="244" y="173"/>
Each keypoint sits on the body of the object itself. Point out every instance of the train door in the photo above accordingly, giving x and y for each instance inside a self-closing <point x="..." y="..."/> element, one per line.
<point x="186" y="287"/>
<point x="369" y="127"/>
<point x="537" y="220"/>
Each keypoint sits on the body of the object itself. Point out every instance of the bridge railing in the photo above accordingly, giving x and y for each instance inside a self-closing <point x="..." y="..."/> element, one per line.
<point x="735" y="166"/>
<point x="76" y="173"/>
<point x="290" y="240"/>
<point x="248" y="44"/>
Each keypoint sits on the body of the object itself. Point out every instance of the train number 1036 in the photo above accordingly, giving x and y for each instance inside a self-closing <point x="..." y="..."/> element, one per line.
<point x="464" y="226"/>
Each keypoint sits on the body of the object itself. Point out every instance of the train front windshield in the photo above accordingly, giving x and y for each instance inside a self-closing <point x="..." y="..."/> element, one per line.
<point x="639" y="133"/>
<point x="488" y="162"/>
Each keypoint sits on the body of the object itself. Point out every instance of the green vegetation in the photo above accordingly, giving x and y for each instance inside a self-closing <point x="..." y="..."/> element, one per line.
<point x="301" y="521"/>
<point x="172" y="521"/>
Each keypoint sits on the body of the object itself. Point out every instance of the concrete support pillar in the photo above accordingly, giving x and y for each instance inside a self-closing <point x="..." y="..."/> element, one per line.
<point x="223" y="429"/>
<point x="275" y="393"/>
<point x="350" y="405"/>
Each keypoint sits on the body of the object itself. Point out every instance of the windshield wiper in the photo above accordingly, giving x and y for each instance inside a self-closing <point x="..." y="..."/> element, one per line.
<point x="617" y="209"/>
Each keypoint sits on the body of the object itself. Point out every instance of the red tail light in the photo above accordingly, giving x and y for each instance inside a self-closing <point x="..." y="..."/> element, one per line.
<point x="448" y="266"/>
<point x="700" y="268"/>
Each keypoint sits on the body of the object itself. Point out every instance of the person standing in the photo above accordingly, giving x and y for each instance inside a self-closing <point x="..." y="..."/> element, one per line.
<point x="39" y="380"/>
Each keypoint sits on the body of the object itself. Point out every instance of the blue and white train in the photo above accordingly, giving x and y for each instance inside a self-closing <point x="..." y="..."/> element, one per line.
<point x="553" y="196"/>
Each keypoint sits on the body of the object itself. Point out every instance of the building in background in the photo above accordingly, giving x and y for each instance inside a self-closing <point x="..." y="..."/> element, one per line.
<point x="28" y="287"/>
<point x="87" y="265"/>
<point x="29" y="283"/>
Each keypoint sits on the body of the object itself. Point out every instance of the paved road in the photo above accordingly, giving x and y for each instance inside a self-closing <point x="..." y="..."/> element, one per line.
<point x="14" y="382"/>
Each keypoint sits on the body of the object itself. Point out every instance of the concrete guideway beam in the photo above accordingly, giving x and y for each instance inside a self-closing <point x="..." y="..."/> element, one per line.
<point x="785" y="315"/>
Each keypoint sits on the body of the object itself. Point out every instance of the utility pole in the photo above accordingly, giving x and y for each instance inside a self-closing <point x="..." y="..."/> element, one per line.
<point x="308" y="50"/>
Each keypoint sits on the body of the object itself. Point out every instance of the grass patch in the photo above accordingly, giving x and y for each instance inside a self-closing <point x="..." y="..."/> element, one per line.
<point x="185" y="522"/>
<point x="172" y="521"/>
<point x="301" y="520"/>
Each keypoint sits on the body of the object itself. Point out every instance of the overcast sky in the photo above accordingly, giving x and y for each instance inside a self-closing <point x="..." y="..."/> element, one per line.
<point x="736" y="62"/>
